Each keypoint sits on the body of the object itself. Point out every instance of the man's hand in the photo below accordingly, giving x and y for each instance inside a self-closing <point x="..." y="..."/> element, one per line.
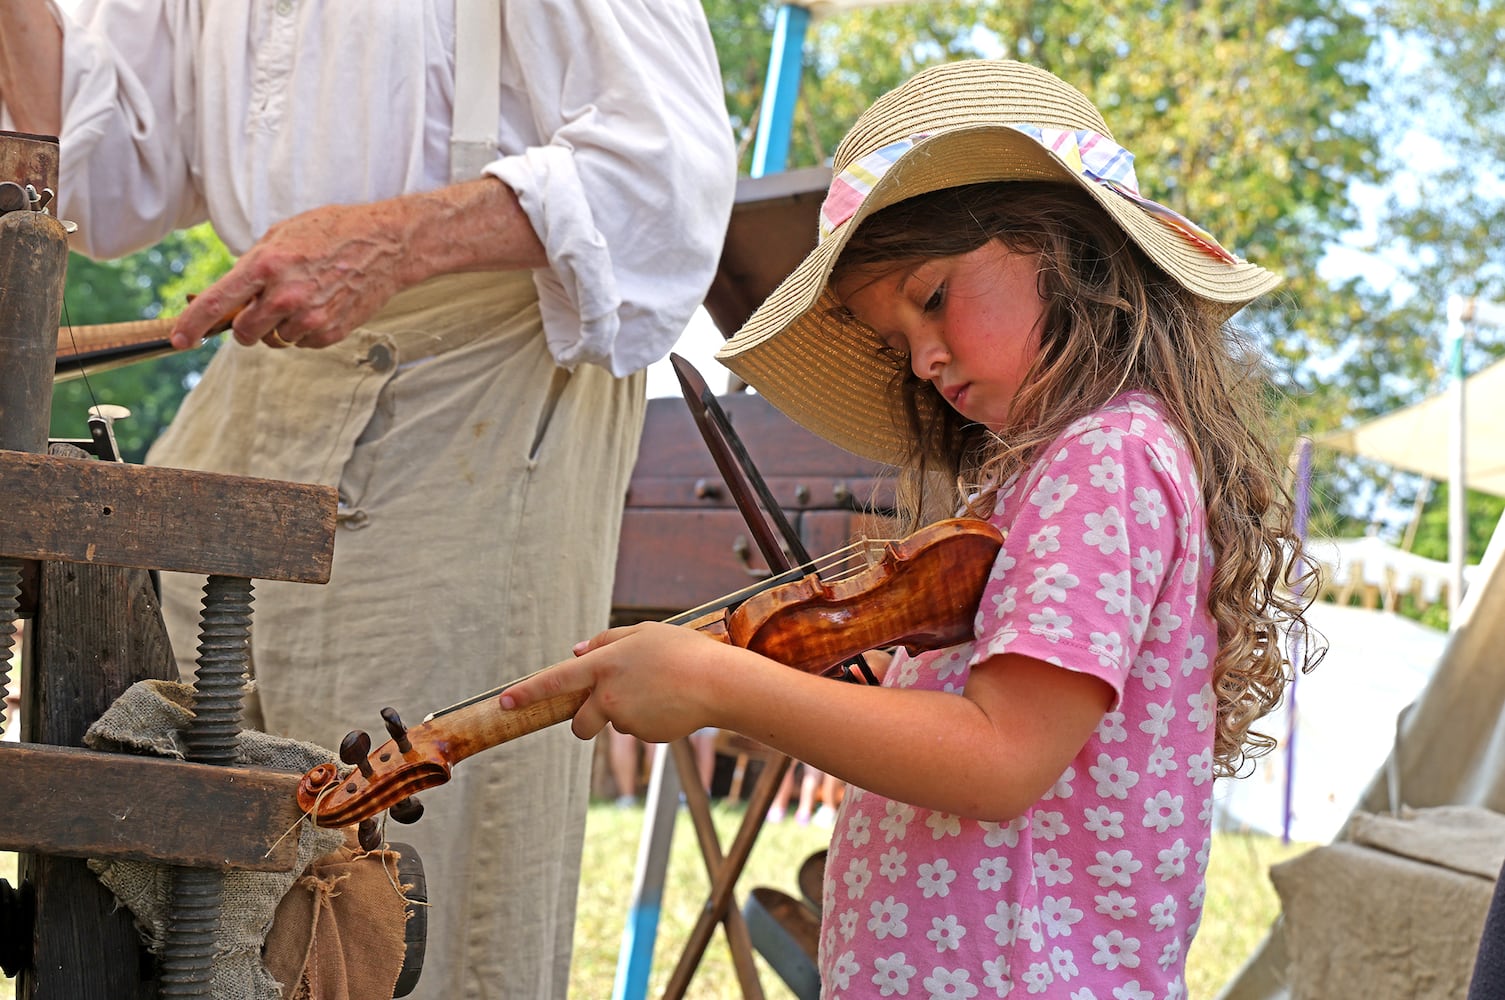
<point x="309" y="281"/>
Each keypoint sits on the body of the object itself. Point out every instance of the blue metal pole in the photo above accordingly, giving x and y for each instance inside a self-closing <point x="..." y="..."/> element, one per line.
<point x="781" y="91"/>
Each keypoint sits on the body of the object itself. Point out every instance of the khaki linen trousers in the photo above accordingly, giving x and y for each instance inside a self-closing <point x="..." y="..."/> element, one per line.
<point x="481" y="495"/>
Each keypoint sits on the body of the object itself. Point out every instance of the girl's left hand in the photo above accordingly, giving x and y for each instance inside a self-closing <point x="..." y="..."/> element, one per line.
<point x="654" y="681"/>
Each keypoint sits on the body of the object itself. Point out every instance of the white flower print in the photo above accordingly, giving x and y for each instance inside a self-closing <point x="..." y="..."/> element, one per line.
<point x="1163" y="811"/>
<point x="1204" y="711"/>
<point x="1108" y="647"/>
<point x="1154" y="671"/>
<point x="846" y="924"/>
<point x="1051" y="583"/>
<point x="1137" y="613"/>
<point x="1051" y="624"/>
<point x="992" y="873"/>
<point x="1132" y="991"/>
<point x="1162" y="760"/>
<point x="1204" y="854"/>
<point x="1106" y="823"/>
<point x="888" y="919"/>
<point x="1103" y="438"/>
<point x="1004" y="602"/>
<point x="1157" y="721"/>
<point x="1176" y="990"/>
<point x="1037" y="978"/>
<point x="1195" y="658"/>
<point x="946" y="934"/>
<point x="1051" y="868"/>
<point x="1163" y="913"/>
<point x="1048" y="825"/>
<point x="895" y="821"/>
<point x="1204" y="815"/>
<point x="1195" y="901"/>
<point x="859" y="830"/>
<point x="1148" y="565"/>
<point x="1085" y="993"/>
<point x="909" y="672"/>
<point x="1000" y="642"/>
<point x="1148" y="506"/>
<point x="945" y="984"/>
<point x="1115" y="949"/>
<point x="953" y="664"/>
<point x="856" y="878"/>
<point x="1116" y="905"/>
<point x="1113" y="776"/>
<point x="935" y="879"/>
<point x="997" y="976"/>
<point x="892" y="864"/>
<point x="1172" y="860"/>
<point x="1107" y="475"/>
<point x="1170" y="954"/>
<point x="1106" y="531"/>
<point x="1064" y="963"/>
<point x="1115" y="592"/>
<point x="1002" y="565"/>
<point x="944" y="825"/>
<point x="1051" y="494"/>
<point x="842" y="971"/>
<point x="1162" y="623"/>
<point x="1062" y="788"/>
<point x="1199" y="767"/>
<point x="1003" y="834"/>
<point x="1004" y="923"/>
<point x="1045" y="541"/>
<point x="1111" y="729"/>
<point x="1058" y="915"/>
<point x="1114" y="868"/>
<point x="1030" y="929"/>
<point x="893" y="975"/>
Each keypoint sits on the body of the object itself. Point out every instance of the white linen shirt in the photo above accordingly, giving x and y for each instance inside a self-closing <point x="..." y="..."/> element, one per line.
<point x="613" y="133"/>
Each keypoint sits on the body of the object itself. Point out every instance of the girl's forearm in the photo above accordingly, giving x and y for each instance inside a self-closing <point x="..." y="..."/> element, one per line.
<point x="31" y="66"/>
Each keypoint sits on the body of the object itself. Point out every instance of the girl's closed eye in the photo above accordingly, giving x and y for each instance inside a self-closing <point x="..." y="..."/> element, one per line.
<point x="936" y="300"/>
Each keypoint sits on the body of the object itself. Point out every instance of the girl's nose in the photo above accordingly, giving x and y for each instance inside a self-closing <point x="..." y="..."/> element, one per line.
<point x="929" y="357"/>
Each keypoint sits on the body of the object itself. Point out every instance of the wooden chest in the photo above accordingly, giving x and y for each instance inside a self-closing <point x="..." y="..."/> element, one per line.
<point x="683" y="541"/>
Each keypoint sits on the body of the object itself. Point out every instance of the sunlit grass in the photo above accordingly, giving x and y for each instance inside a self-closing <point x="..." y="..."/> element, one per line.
<point x="1240" y="906"/>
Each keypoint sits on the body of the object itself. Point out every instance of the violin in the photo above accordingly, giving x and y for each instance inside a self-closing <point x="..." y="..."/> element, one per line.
<point x="921" y="593"/>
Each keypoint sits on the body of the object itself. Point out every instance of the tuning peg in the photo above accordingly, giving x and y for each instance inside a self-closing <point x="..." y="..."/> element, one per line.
<point x="397" y="729"/>
<point x="354" y="749"/>
<point x="368" y="834"/>
<point x="409" y="810"/>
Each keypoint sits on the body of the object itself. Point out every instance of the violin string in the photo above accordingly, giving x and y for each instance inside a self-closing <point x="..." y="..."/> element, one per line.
<point x="836" y="563"/>
<point x="82" y="371"/>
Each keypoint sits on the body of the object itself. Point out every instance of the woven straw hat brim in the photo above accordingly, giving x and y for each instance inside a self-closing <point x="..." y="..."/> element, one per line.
<point x="825" y="372"/>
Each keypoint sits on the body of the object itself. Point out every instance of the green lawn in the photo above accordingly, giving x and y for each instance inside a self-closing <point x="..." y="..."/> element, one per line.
<point x="1240" y="902"/>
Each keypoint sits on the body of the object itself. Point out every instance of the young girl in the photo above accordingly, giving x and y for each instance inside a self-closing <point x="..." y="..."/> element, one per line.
<point x="995" y="308"/>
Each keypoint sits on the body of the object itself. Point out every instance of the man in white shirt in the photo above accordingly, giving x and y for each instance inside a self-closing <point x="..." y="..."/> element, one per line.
<point x="477" y="389"/>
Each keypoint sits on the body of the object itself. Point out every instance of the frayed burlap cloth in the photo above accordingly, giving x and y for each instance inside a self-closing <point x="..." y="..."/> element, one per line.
<point x="339" y="916"/>
<point x="1395" y="911"/>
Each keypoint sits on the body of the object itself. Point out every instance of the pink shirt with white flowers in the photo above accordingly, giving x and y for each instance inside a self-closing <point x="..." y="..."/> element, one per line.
<point x="1096" y="891"/>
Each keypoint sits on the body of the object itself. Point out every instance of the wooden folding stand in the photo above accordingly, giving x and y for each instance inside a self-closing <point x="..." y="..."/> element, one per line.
<point x="78" y="536"/>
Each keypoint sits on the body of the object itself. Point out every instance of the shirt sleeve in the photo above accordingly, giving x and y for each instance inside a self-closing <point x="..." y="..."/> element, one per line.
<point x="127" y="96"/>
<point x="1098" y="536"/>
<point x="631" y="189"/>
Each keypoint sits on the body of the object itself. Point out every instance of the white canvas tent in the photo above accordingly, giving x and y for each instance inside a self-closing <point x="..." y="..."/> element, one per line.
<point x="1418" y="438"/>
<point x="1450" y="747"/>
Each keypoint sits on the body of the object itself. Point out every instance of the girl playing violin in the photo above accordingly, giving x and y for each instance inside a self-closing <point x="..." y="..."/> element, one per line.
<point x="995" y="309"/>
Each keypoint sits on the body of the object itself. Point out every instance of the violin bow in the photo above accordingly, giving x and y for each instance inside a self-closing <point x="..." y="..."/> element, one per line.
<point x="769" y="527"/>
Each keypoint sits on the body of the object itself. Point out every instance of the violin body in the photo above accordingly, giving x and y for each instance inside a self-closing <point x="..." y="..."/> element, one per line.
<point x="922" y="593"/>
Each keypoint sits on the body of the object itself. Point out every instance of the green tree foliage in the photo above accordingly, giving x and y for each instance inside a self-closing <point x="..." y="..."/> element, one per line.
<point x="151" y="283"/>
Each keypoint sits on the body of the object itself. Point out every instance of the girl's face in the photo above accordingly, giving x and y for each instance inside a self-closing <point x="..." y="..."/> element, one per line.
<point x="969" y="324"/>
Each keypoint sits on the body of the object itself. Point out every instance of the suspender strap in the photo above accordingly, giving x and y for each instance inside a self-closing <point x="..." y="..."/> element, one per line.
<point x="478" y="73"/>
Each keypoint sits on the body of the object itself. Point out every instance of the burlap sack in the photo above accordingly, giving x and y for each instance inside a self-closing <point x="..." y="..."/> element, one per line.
<point x="150" y="718"/>
<point x="1396" y="911"/>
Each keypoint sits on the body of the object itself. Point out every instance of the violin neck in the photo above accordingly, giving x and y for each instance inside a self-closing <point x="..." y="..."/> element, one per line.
<point x="480" y="725"/>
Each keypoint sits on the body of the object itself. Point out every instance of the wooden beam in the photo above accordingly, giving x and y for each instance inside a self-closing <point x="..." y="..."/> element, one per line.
<point x="86" y="804"/>
<point x="114" y="514"/>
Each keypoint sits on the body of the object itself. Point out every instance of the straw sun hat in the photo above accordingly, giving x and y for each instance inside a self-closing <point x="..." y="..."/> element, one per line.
<point x="957" y="123"/>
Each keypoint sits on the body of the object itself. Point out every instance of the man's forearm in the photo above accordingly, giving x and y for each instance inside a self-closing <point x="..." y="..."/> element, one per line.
<point x="31" y="66"/>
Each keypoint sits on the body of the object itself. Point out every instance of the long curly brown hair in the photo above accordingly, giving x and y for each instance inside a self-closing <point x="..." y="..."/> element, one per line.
<point x="1114" y="321"/>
